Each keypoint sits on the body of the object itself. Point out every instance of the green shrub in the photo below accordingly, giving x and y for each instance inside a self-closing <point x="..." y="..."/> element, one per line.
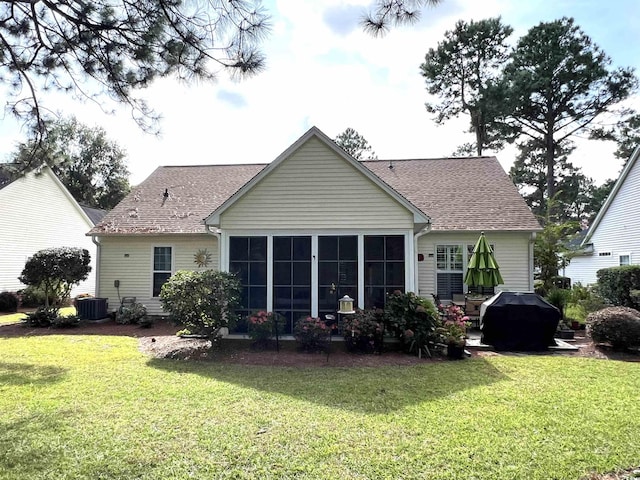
<point x="133" y="313"/>
<point x="65" y="321"/>
<point x="56" y="271"/>
<point x="364" y="330"/>
<point x="559" y="298"/>
<point x="311" y="333"/>
<point x="618" y="326"/>
<point x="8" y="302"/>
<point x="33" y="297"/>
<point x="42" y="317"/>
<point x="412" y="319"/>
<point x="615" y="285"/>
<point x="204" y="302"/>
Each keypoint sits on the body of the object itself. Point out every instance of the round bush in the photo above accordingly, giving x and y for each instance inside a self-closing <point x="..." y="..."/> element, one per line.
<point x="619" y="326"/>
<point x="8" y="302"/>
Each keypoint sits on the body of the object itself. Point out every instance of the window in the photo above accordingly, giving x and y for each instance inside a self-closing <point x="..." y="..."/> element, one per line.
<point x="384" y="268"/>
<point x="449" y="266"/>
<point x="248" y="260"/>
<point x="624" y="259"/>
<point x="161" y="268"/>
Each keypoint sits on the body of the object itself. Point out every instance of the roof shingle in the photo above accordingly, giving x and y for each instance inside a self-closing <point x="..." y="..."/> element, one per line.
<point x="457" y="193"/>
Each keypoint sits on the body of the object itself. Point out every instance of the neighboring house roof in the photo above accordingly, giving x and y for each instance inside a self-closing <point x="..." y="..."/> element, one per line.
<point x="470" y="194"/>
<point x="616" y="188"/>
<point x="94" y="214"/>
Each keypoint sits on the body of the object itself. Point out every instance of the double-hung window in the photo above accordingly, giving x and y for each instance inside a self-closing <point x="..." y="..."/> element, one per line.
<point x="162" y="261"/>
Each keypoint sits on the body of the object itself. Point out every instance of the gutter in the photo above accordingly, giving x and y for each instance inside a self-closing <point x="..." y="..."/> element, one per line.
<point x="532" y="242"/>
<point x="98" y="245"/>
<point x="218" y="234"/>
<point x="417" y="236"/>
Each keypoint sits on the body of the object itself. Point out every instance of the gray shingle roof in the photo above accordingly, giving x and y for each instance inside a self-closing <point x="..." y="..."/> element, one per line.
<point x="457" y="193"/>
<point x="471" y="193"/>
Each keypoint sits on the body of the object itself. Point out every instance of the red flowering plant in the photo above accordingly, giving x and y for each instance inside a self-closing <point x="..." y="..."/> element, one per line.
<point x="363" y="331"/>
<point x="311" y="333"/>
<point x="454" y="325"/>
<point x="260" y="325"/>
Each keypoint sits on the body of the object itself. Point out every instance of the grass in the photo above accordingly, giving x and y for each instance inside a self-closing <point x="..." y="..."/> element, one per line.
<point x="94" y="407"/>
<point x="17" y="317"/>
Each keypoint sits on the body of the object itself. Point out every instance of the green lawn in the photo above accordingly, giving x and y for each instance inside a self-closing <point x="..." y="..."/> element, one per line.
<point x="93" y="407"/>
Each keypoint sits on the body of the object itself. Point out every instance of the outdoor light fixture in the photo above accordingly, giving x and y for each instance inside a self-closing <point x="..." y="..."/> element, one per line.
<point x="346" y="305"/>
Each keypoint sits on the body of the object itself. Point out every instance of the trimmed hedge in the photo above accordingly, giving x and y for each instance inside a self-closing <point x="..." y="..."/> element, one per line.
<point x="619" y="326"/>
<point x="615" y="285"/>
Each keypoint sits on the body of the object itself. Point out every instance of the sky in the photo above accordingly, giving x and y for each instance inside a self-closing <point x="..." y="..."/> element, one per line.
<point x="323" y="70"/>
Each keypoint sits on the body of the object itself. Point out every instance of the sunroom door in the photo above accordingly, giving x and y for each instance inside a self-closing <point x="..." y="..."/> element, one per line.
<point x="337" y="271"/>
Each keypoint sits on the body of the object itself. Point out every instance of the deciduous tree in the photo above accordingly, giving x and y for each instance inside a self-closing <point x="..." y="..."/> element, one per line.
<point x="91" y="166"/>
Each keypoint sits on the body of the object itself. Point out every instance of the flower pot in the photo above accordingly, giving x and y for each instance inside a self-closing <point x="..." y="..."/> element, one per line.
<point x="455" y="351"/>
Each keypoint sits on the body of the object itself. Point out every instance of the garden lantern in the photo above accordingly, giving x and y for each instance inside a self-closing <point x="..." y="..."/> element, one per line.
<point x="346" y="305"/>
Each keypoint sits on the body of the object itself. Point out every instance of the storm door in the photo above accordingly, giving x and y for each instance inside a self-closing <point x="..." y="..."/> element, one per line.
<point x="291" y="279"/>
<point x="337" y="271"/>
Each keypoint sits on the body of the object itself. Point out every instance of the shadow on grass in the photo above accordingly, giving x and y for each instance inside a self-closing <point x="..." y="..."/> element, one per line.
<point x="27" y="374"/>
<point x="369" y="390"/>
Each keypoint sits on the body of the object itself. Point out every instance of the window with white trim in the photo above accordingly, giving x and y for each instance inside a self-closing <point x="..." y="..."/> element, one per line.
<point x="162" y="261"/>
<point x="449" y="266"/>
<point x="624" y="259"/>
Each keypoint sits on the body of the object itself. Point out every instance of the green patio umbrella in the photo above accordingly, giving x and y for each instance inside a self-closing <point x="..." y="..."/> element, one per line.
<point x="483" y="270"/>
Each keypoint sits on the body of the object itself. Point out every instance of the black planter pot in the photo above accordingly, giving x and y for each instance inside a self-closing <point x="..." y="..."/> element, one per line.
<point x="455" y="351"/>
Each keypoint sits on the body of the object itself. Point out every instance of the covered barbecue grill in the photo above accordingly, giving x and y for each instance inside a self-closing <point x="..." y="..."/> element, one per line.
<point x="518" y="321"/>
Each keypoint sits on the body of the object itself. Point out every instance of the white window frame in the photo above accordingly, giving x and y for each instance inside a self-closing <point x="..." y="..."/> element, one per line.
<point x="154" y="271"/>
<point x="314" y="234"/>
<point x="620" y="255"/>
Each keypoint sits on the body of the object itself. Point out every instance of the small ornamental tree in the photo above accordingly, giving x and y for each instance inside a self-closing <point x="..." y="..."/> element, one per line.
<point x="204" y="302"/>
<point x="55" y="271"/>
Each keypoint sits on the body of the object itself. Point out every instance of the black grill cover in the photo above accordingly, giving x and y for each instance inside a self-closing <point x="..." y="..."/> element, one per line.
<point x="518" y="321"/>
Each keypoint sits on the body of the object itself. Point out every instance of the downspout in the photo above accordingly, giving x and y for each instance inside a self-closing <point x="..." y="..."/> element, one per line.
<point x="218" y="235"/>
<point x="416" y="236"/>
<point x="95" y="241"/>
<point x="532" y="242"/>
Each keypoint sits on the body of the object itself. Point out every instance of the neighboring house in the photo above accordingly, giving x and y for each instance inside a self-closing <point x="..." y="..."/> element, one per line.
<point x="614" y="237"/>
<point x="314" y="225"/>
<point x="38" y="212"/>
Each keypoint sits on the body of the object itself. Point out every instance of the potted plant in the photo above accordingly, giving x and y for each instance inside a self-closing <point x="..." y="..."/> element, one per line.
<point x="453" y="331"/>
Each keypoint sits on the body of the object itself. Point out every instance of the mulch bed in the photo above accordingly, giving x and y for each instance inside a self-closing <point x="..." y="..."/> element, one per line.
<point x="160" y="341"/>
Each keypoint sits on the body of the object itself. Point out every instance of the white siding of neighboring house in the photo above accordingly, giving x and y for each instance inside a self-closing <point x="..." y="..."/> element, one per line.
<point x="512" y="252"/>
<point x="316" y="189"/>
<point x="37" y="212"/>
<point x="618" y="232"/>
<point x="130" y="260"/>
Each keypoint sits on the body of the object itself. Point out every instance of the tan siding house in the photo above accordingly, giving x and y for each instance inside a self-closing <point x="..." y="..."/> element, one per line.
<point x="38" y="212"/>
<point x="315" y="224"/>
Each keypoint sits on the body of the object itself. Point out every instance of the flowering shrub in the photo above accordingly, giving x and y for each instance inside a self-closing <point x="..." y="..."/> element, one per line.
<point x="454" y="324"/>
<point x="311" y="333"/>
<point x="412" y="319"/>
<point x="261" y="325"/>
<point x="363" y="330"/>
